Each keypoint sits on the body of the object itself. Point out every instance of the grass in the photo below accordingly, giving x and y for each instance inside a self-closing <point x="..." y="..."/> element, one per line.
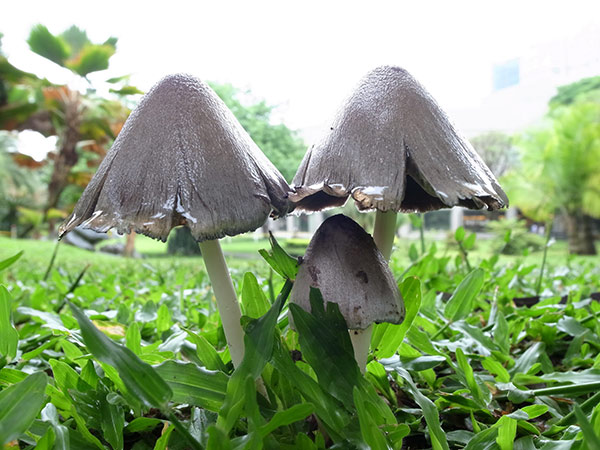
<point x="138" y="359"/>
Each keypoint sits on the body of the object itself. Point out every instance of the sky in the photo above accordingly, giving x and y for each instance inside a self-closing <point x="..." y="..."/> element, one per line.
<point x="304" y="57"/>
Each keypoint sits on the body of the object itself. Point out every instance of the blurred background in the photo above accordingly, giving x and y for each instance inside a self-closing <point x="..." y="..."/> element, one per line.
<point x="520" y="79"/>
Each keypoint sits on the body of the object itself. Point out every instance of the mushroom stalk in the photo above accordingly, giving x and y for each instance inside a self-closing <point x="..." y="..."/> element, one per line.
<point x="383" y="235"/>
<point x="227" y="301"/>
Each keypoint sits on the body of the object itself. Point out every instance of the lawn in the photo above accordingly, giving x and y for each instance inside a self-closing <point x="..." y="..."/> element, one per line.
<point x="107" y="352"/>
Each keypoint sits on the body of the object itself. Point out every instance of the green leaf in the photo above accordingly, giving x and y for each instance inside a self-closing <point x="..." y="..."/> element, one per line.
<point x="206" y="352"/>
<point x="259" y="340"/>
<point x="368" y="427"/>
<point x="127" y="90"/>
<point x="133" y="338"/>
<point x="495" y="368"/>
<point x="326" y="346"/>
<point x="193" y="385"/>
<point x="460" y="304"/>
<point x="430" y="412"/>
<point x="529" y="412"/>
<point x="459" y="234"/>
<point x="10" y="261"/>
<point x="9" y="336"/>
<point x="163" y="441"/>
<point x="45" y="44"/>
<point x="469" y="378"/>
<point x="254" y="300"/>
<point x="329" y="410"/>
<point x="92" y="58"/>
<point x="507" y="430"/>
<point x="282" y="418"/>
<point x="140" y="378"/>
<point x="112" y="424"/>
<point x="20" y="405"/>
<point x="142" y="424"/>
<point x="387" y="337"/>
<point x="61" y="433"/>
<point x="163" y="319"/>
<point x="279" y="260"/>
<point x="590" y="437"/>
<point x="469" y="242"/>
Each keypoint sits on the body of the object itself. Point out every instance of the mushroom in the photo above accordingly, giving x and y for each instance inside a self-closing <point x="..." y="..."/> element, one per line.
<point x="343" y="261"/>
<point x="391" y="148"/>
<point x="183" y="159"/>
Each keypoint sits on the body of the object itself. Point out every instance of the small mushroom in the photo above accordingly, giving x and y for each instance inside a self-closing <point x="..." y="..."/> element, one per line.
<point x="343" y="261"/>
<point x="391" y="148"/>
<point x="183" y="159"/>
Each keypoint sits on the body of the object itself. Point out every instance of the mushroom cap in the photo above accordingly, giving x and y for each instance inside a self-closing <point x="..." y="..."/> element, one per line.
<point x="181" y="158"/>
<point x="343" y="261"/>
<point x="391" y="147"/>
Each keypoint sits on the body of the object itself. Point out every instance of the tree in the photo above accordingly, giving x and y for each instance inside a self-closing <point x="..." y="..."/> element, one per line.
<point x="284" y="148"/>
<point x="560" y="172"/>
<point x="84" y="122"/>
<point x="497" y="150"/>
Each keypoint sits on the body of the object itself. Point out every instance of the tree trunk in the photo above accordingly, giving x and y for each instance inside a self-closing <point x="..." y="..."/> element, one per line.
<point x="580" y="233"/>
<point x="67" y="155"/>
<point x="129" y="245"/>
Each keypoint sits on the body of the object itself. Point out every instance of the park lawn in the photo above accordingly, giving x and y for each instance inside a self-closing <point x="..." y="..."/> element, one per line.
<point x="472" y="365"/>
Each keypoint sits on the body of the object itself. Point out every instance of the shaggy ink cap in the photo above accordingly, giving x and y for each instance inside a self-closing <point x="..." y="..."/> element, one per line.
<point x="182" y="158"/>
<point x="392" y="148"/>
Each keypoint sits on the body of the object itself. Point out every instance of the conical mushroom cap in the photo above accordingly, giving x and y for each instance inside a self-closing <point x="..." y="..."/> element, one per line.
<point x="391" y="147"/>
<point x="181" y="159"/>
<point x="343" y="261"/>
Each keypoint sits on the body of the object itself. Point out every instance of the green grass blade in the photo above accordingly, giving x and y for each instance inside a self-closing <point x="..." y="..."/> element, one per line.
<point x="5" y="263"/>
<point x="9" y="336"/>
<point x="387" y="337"/>
<point x="139" y="378"/>
<point x="430" y="412"/>
<point x="254" y="300"/>
<point x="590" y="437"/>
<point x="460" y="304"/>
<point x="193" y="385"/>
<point x="20" y="405"/>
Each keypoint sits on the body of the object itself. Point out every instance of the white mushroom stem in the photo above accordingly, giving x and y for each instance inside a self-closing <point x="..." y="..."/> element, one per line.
<point x="383" y="235"/>
<point x="227" y="302"/>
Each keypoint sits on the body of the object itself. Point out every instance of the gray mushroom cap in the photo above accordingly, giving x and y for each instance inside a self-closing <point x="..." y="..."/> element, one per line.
<point x="182" y="158"/>
<point x="391" y="147"/>
<point x="343" y="261"/>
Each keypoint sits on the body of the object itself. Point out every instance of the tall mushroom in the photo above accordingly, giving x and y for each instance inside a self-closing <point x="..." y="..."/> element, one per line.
<point x="183" y="159"/>
<point x="391" y="148"/>
<point x="343" y="261"/>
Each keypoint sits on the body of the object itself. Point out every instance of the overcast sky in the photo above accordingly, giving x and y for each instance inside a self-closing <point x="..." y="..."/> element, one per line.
<point x="304" y="56"/>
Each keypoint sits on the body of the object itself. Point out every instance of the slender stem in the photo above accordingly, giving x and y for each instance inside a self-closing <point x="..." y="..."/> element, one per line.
<point x="227" y="301"/>
<point x="51" y="261"/>
<point x="383" y="234"/>
<point x="361" y="341"/>
<point x="548" y="234"/>
<point x="465" y="255"/>
<point x="422" y="232"/>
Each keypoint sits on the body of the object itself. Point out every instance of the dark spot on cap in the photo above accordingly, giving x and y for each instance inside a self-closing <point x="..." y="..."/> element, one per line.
<point x="362" y="276"/>
<point x="314" y="273"/>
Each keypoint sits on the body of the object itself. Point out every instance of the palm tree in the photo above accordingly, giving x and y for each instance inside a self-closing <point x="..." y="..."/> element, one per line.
<point x="560" y="172"/>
